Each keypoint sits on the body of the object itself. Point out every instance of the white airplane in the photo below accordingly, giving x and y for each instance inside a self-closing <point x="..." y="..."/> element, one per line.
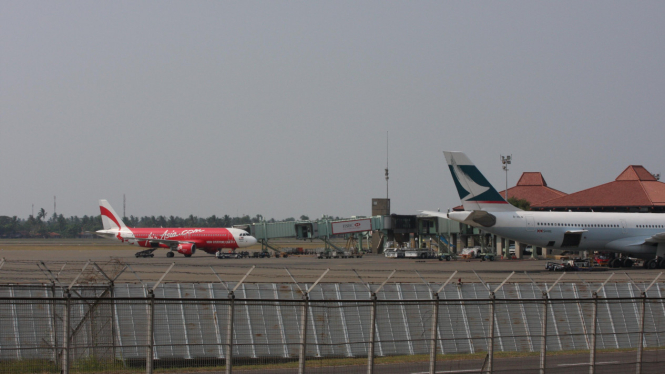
<point x="640" y="235"/>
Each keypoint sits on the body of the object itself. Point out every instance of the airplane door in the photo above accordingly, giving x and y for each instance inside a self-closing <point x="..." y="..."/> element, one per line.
<point x="623" y="226"/>
<point x="530" y="224"/>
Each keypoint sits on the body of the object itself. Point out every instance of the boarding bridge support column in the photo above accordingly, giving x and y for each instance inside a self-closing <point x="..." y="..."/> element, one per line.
<point x="519" y="250"/>
<point x="538" y="252"/>
<point x="499" y="246"/>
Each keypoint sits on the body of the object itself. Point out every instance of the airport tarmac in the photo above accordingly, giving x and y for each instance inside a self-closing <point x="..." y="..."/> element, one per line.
<point x="21" y="266"/>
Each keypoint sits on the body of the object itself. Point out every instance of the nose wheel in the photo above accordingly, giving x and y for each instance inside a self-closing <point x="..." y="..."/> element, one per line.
<point x="169" y="254"/>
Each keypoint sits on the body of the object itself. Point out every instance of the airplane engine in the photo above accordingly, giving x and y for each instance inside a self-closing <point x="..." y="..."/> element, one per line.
<point x="187" y="249"/>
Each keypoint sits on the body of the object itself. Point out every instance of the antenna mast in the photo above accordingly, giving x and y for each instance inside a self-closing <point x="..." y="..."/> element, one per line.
<point x="387" y="148"/>
<point x="53" y="204"/>
<point x="123" y="206"/>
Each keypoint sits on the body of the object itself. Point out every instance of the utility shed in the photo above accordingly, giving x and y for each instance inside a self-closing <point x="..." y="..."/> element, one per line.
<point x="634" y="190"/>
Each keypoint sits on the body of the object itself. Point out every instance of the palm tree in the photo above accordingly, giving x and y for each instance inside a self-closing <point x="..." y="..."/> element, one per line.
<point x="41" y="214"/>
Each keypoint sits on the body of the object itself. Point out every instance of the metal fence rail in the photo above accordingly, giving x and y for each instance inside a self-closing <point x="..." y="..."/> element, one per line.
<point x="111" y="328"/>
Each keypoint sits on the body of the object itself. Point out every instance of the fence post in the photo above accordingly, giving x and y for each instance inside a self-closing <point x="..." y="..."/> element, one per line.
<point x="54" y="317"/>
<point x="372" y="327"/>
<point x="65" y="335"/>
<point x="640" y="347"/>
<point x="229" y="334"/>
<point x="594" y="319"/>
<point x="592" y="358"/>
<point x="150" y="348"/>
<point x="229" y="327"/>
<point x="543" y="339"/>
<point x="372" y="336"/>
<point x="641" y="343"/>
<point x="490" y="349"/>
<point x="435" y="328"/>
<point x="543" y="336"/>
<point x="435" y="322"/>
<point x="302" y="354"/>
<point x="303" y="334"/>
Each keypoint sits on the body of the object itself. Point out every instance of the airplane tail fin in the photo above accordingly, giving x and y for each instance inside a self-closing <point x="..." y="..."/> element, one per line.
<point x="110" y="219"/>
<point x="474" y="190"/>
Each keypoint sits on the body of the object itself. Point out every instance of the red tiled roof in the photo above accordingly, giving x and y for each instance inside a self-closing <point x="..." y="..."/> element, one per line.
<point x="636" y="173"/>
<point x="634" y="187"/>
<point x="533" y="194"/>
<point x="531" y="179"/>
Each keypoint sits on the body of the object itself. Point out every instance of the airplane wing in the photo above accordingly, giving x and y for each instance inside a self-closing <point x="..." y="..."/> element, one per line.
<point x="476" y="217"/>
<point x="436" y="214"/>
<point x="635" y="241"/>
<point x="576" y="231"/>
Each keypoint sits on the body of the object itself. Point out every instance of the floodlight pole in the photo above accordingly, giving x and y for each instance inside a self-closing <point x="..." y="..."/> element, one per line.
<point x="506" y="160"/>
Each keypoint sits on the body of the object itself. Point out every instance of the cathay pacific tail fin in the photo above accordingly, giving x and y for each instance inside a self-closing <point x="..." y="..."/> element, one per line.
<point x="474" y="190"/>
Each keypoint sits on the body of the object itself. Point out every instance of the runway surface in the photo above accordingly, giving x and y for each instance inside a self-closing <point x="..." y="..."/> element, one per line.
<point x="22" y="260"/>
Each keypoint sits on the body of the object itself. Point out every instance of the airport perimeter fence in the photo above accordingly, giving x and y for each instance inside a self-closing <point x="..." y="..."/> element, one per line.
<point x="333" y="328"/>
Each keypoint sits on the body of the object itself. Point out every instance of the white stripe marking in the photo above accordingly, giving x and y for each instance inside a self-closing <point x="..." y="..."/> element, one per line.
<point x="586" y="363"/>
<point x="451" y="371"/>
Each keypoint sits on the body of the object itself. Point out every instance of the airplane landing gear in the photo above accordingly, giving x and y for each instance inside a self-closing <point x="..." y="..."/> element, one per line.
<point x="621" y="263"/>
<point x="655" y="263"/>
<point x="170" y="254"/>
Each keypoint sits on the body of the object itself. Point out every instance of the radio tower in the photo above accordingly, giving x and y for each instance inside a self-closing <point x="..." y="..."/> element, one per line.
<point x="386" y="165"/>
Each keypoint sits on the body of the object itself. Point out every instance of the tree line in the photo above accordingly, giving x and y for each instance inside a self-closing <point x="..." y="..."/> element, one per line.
<point x="41" y="226"/>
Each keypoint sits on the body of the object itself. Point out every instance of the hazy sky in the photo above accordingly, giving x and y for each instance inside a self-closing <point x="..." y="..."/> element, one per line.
<point x="281" y="108"/>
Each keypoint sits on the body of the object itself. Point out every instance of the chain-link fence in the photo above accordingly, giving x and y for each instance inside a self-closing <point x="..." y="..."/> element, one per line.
<point x="333" y="328"/>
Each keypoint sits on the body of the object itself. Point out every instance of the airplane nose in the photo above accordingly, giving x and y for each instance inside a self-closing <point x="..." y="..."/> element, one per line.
<point x="253" y="240"/>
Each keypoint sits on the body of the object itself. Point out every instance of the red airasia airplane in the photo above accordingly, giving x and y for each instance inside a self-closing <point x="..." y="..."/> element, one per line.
<point x="183" y="240"/>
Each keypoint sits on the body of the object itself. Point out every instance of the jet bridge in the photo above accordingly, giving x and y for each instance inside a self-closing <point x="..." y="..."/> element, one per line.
<point x="316" y="229"/>
<point x="383" y="225"/>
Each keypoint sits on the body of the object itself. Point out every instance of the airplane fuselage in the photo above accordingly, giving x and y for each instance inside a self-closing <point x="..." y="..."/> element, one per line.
<point x="577" y="231"/>
<point x="209" y="240"/>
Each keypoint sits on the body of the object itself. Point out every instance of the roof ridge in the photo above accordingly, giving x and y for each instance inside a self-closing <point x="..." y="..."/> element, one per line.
<point x="645" y="191"/>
